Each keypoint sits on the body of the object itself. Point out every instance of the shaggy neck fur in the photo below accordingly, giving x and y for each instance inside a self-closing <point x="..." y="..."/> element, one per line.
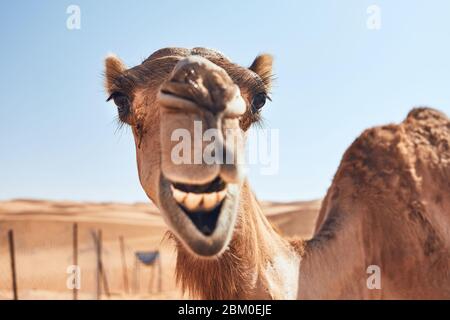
<point x="259" y="263"/>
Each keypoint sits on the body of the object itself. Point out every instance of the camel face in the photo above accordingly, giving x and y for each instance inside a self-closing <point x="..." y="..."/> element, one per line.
<point x="189" y="111"/>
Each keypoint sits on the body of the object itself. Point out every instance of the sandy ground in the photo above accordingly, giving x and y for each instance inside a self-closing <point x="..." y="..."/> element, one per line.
<point x="43" y="239"/>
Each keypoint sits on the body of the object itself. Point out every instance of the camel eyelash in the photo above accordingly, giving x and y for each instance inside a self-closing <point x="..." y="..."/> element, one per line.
<point x="123" y="104"/>
<point x="120" y="124"/>
<point x="261" y="84"/>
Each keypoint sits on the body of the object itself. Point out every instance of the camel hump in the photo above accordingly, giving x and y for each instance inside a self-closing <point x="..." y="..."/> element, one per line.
<point x="431" y="128"/>
<point x="388" y="156"/>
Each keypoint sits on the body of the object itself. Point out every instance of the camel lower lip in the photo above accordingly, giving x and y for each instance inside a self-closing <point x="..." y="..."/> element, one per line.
<point x="205" y="232"/>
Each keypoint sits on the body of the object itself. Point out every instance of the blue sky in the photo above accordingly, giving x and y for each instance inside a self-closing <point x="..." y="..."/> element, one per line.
<point x="335" y="77"/>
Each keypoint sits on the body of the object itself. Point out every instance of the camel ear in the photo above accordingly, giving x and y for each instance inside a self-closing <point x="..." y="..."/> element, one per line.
<point x="114" y="67"/>
<point x="262" y="65"/>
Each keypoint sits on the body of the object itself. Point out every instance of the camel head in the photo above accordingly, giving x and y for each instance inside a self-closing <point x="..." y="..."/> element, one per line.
<point x="189" y="110"/>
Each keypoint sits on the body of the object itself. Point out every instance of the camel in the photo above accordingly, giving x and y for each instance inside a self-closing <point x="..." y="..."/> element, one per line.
<point x="388" y="204"/>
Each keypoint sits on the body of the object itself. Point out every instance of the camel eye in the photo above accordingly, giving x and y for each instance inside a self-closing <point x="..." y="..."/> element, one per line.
<point x="123" y="104"/>
<point x="259" y="100"/>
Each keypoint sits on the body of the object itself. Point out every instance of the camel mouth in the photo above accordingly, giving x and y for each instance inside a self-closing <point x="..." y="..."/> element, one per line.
<point x="201" y="203"/>
<point x="202" y="216"/>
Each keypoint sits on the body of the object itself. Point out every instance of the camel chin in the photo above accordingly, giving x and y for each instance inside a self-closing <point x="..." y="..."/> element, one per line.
<point x="203" y="216"/>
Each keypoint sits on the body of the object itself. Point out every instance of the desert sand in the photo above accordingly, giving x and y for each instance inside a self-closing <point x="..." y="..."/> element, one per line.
<point x="43" y="241"/>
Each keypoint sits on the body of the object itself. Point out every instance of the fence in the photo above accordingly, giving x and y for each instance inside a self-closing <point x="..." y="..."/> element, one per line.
<point x="72" y="261"/>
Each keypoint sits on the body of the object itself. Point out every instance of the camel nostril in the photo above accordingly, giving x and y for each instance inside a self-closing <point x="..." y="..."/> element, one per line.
<point x="191" y="77"/>
<point x="185" y="74"/>
<point x="198" y="80"/>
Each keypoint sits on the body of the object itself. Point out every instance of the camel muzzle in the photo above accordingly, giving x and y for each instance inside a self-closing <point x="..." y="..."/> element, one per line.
<point x="201" y="139"/>
<point x="201" y="148"/>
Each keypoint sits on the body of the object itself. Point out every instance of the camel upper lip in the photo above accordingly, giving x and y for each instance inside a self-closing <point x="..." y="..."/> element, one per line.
<point x="213" y="186"/>
<point x="171" y="100"/>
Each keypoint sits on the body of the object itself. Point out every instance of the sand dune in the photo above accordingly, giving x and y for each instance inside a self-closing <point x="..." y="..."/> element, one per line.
<point x="43" y="242"/>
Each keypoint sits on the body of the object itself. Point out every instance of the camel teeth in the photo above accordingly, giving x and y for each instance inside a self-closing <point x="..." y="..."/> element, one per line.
<point x="221" y="195"/>
<point x="178" y="195"/>
<point x="198" y="201"/>
<point x="210" y="200"/>
<point x="192" y="201"/>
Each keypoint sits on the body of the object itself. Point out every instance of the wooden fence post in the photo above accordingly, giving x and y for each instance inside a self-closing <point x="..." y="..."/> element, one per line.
<point x="160" y="273"/>
<point x="136" y="275"/>
<point x="124" y="265"/>
<point x="99" y="266"/>
<point x="75" y="259"/>
<point x="12" y="256"/>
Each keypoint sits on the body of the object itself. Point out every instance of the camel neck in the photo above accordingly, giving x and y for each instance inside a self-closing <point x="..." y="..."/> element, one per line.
<point x="324" y="273"/>
<point x="259" y="263"/>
